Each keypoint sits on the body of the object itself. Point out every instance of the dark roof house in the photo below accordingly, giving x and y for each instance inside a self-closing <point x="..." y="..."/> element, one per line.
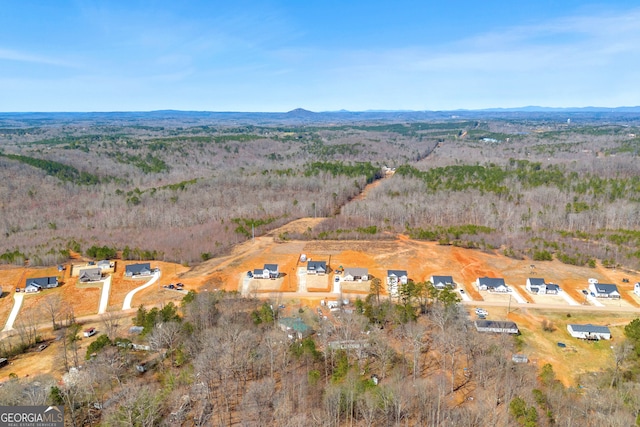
<point x="497" y="326"/>
<point x="316" y="267"/>
<point x="441" y="282"/>
<point x="602" y="290"/>
<point x="492" y="283"/>
<point x="42" y="282"/>
<point x="589" y="332"/>
<point x="143" y="269"/>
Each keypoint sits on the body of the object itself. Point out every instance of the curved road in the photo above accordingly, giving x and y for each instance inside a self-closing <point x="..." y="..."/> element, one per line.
<point x="18" y="297"/>
<point x="129" y="297"/>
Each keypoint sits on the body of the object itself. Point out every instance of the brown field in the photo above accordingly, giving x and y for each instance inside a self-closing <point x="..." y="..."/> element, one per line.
<point x="420" y="259"/>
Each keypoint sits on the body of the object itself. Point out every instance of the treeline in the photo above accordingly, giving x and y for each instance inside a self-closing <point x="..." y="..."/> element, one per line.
<point x="58" y="170"/>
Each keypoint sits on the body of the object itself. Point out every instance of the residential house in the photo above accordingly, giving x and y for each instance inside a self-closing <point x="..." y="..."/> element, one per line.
<point x="316" y="267"/>
<point x="90" y="275"/>
<point x="352" y="274"/>
<point x="395" y="278"/>
<point x="135" y="270"/>
<point x="105" y="264"/>
<point x="295" y="327"/>
<point x="37" y="284"/>
<point x="601" y="290"/>
<point x="492" y="284"/>
<point x="589" y="332"/>
<point x="269" y="271"/>
<point x="441" y="282"/>
<point x="539" y="287"/>
<point x="496" y="326"/>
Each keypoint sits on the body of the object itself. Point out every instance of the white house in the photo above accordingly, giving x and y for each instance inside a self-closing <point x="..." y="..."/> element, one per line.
<point x="601" y="290"/>
<point x="395" y="278"/>
<point x="269" y="271"/>
<point x="539" y="287"/>
<point x="493" y="284"/>
<point x="316" y="267"/>
<point x="636" y="289"/>
<point x="589" y="332"/>
<point x="37" y="284"/>
<point x="353" y="274"/>
<point x="441" y="282"/>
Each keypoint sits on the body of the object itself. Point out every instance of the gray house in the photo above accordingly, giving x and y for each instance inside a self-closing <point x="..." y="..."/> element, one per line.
<point x="135" y="270"/>
<point x="90" y="275"/>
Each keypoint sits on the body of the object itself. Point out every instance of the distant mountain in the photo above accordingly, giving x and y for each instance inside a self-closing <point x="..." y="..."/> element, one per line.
<point x="301" y="116"/>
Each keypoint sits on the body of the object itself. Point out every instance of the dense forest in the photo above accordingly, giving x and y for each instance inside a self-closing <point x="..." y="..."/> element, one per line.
<point x="221" y="359"/>
<point x="187" y="188"/>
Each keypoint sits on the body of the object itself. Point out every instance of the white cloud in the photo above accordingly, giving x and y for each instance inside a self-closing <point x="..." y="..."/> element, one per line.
<point x="13" y="55"/>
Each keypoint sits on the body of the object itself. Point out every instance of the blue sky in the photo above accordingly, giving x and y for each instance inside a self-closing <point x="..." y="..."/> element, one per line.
<point x="319" y="55"/>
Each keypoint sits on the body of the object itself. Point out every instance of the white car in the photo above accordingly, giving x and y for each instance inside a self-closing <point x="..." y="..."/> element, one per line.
<point x="481" y="312"/>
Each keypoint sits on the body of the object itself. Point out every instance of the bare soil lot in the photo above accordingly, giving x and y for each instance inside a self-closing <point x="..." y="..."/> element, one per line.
<point x="420" y="259"/>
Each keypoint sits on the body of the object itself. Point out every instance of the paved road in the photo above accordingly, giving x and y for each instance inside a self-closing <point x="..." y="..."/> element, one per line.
<point x="18" y="297"/>
<point x="127" y="300"/>
<point x="104" y="297"/>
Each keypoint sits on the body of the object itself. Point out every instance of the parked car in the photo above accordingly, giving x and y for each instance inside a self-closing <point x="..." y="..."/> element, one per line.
<point x="462" y="291"/>
<point x="249" y="274"/>
<point x="42" y="347"/>
<point x="481" y="311"/>
<point x="562" y="345"/>
<point x="584" y="291"/>
<point x="89" y="332"/>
